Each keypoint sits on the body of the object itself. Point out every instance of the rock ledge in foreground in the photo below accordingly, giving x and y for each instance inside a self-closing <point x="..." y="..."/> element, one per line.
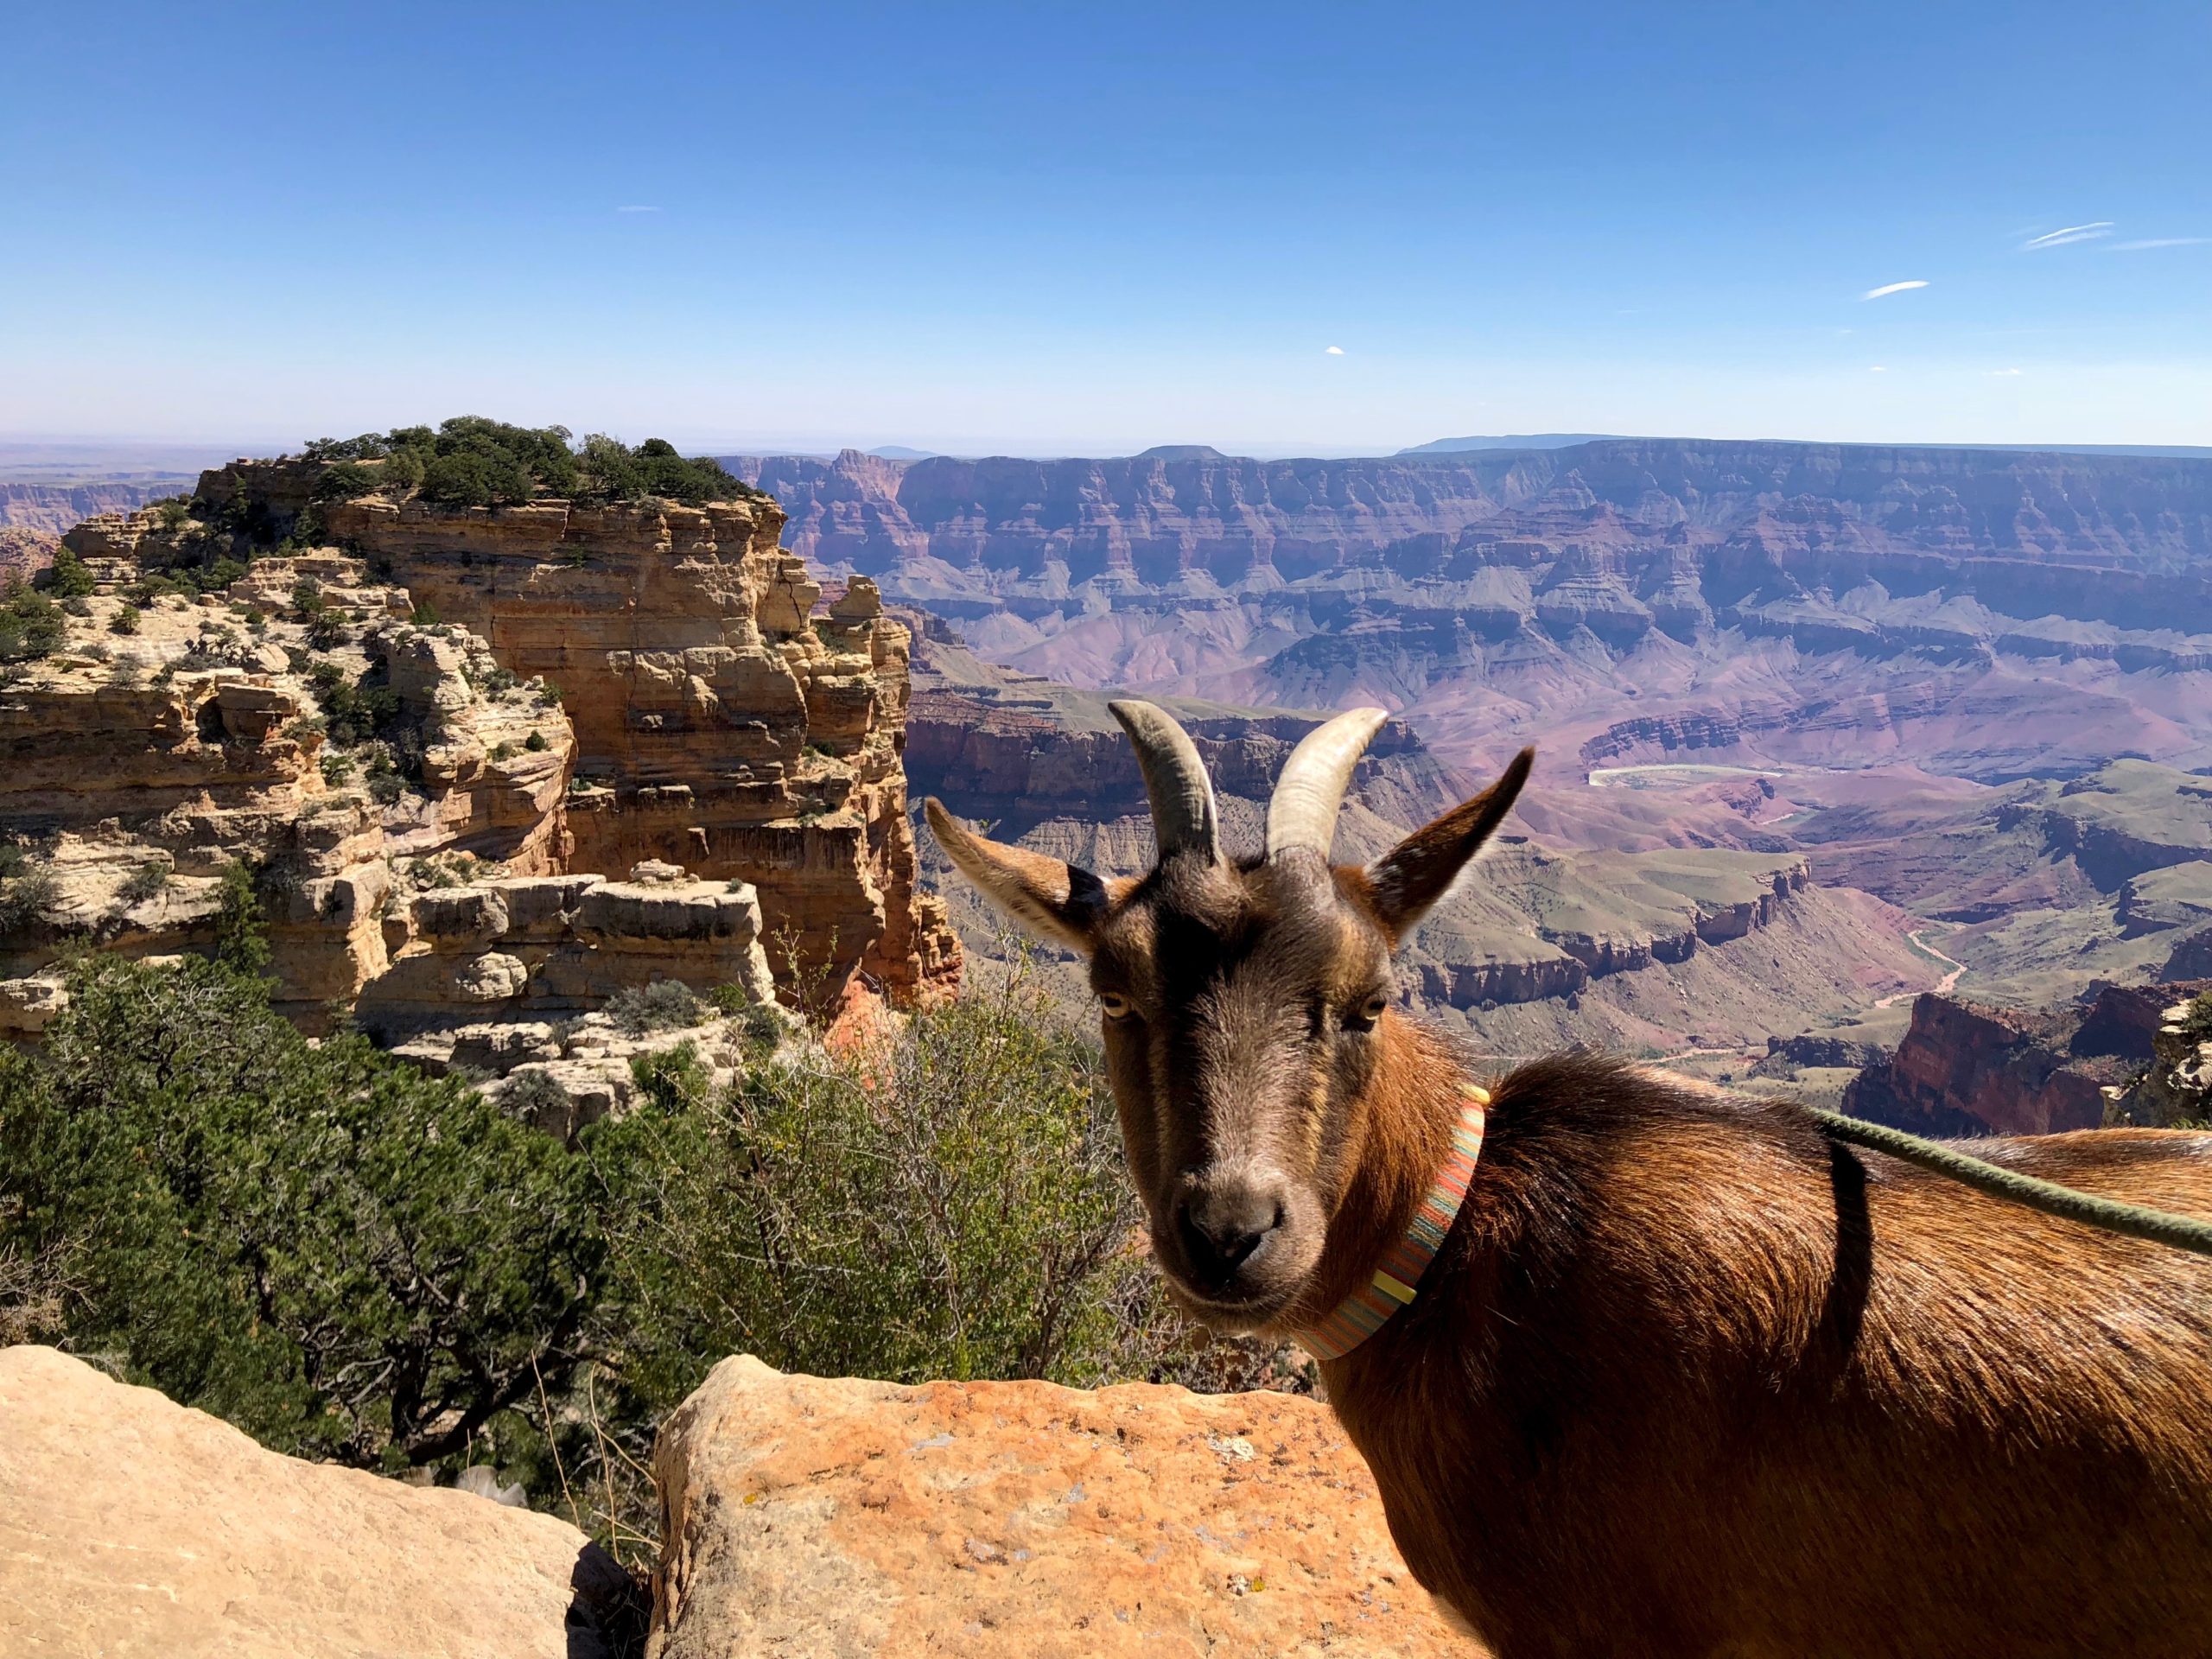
<point x="1021" y="1521"/>
<point x="131" y="1527"/>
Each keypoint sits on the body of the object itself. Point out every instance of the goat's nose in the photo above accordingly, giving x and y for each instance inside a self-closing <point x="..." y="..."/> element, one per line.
<point x="1225" y="1226"/>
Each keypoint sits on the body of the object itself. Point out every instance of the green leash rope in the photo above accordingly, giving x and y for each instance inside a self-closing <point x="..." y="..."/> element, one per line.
<point x="2139" y="1221"/>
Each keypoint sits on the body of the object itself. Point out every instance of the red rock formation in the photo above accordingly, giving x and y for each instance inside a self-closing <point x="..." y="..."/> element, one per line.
<point x="1967" y="1069"/>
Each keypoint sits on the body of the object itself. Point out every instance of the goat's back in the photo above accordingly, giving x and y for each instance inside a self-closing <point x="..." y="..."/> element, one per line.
<point x="1696" y="1380"/>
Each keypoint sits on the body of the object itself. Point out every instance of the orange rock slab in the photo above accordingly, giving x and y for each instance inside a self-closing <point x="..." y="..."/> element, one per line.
<point x="1021" y="1521"/>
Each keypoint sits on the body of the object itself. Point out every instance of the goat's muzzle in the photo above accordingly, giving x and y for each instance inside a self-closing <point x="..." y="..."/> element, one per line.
<point x="1231" y="1245"/>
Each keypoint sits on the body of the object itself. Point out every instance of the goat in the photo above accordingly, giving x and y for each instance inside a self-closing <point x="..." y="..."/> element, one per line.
<point x="1688" y="1376"/>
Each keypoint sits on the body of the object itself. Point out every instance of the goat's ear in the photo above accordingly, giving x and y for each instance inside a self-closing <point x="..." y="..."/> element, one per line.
<point x="1064" y="903"/>
<point x="1416" y="873"/>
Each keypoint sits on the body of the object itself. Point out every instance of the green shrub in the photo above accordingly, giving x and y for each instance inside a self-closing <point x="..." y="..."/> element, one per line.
<point x="328" y="631"/>
<point x="673" y="1079"/>
<point x="534" y="742"/>
<point x="403" y="471"/>
<point x="241" y="934"/>
<point x="31" y="624"/>
<point x="344" y="481"/>
<point x="145" y="883"/>
<point x="28" y="894"/>
<point x="951" y="1205"/>
<point x="536" y="1098"/>
<point x="345" y="1258"/>
<point x="665" y="1005"/>
<point x="469" y="479"/>
<point x="370" y="446"/>
<point x="67" y="577"/>
<point x="356" y="712"/>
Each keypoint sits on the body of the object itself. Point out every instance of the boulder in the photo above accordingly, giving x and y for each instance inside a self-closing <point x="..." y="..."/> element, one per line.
<point x="1020" y="1520"/>
<point x="131" y="1526"/>
<point x="29" y="1005"/>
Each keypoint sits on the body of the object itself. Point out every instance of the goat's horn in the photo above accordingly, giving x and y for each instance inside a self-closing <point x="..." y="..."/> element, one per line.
<point x="1183" y="816"/>
<point x="1310" y="792"/>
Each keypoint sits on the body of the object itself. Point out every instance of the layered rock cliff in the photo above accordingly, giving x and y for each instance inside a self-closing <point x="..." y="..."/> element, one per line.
<point x="407" y="798"/>
<point x="1966" y="1068"/>
<point x="720" y="725"/>
<point x="1807" y="603"/>
<point x="171" y="737"/>
<point x="54" y="508"/>
<point x="714" y="722"/>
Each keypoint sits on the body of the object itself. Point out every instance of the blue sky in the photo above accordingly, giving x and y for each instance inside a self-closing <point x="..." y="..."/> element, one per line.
<point x="1053" y="229"/>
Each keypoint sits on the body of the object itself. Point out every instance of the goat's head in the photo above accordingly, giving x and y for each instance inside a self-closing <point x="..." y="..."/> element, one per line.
<point x="1246" y="1003"/>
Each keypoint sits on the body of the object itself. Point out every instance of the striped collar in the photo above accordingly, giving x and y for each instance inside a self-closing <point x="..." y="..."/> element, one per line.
<point x="1396" y="1282"/>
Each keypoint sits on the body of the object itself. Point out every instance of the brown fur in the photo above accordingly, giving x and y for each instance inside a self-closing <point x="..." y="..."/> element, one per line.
<point x="1690" y="1379"/>
<point x="1687" y="1378"/>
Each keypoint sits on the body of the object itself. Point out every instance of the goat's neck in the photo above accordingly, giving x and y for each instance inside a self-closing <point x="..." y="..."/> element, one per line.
<point x="1413" y="1107"/>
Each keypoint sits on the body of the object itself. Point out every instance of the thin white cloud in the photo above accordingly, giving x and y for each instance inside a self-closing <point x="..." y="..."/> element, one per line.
<point x="2160" y="242"/>
<point x="1878" y="368"/>
<point x="637" y="210"/>
<point x="1336" y="350"/>
<point x="2004" y="372"/>
<point x="2059" y="239"/>
<point x="1892" y="288"/>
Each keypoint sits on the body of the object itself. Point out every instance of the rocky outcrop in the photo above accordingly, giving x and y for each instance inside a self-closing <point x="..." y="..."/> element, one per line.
<point x="1020" y="1519"/>
<point x="522" y="947"/>
<point x="130" y="1525"/>
<point x="720" y="724"/>
<point x="1964" y="1068"/>
<point x="174" y="735"/>
<point x="706" y="719"/>
<point x="2176" y="1088"/>
<point x="2121" y="823"/>
<point x="1814" y="1049"/>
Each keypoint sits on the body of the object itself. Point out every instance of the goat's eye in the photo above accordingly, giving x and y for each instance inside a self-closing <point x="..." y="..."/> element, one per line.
<point x="1115" y="1005"/>
<point x="1363" y="1018"/>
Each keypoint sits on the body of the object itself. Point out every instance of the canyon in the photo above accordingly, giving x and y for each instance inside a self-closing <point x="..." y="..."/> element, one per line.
<point x="1981" y="613"/>
<point x="1925" y="716"/>
<point x="1608" y="933"/>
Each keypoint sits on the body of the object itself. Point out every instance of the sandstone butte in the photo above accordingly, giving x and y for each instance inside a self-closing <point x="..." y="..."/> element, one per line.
<point x="640" y="687"/>
<point x="806" y="1518"/>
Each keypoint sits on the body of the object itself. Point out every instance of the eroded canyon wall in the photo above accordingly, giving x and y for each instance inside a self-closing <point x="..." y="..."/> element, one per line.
<point x="720" y="725"/>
